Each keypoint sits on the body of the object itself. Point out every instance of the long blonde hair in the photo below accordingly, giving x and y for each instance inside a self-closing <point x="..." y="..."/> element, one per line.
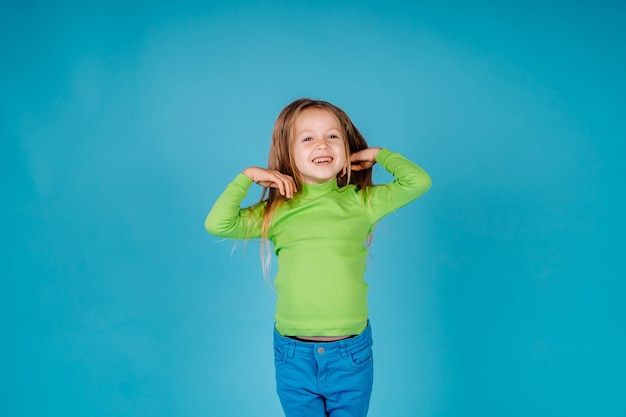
<point x="281" y="159"/>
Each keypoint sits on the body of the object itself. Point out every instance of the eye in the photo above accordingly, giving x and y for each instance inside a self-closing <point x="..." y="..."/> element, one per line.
<point x="307" y="139"/>
<point x="333" y="137"/>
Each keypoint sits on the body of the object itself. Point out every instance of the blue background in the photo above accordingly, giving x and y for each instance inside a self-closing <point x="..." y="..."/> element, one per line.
<point x="501" y="292"/>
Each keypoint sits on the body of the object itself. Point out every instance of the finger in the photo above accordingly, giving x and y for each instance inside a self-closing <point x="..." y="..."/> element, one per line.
<point x="290" y="186"/>
<point x="288" y="189"/>
<point x="287" y="184"/>
<point x="357" y="166"/>
<point x="361" y="165"/>
<point x="357" y="156"/>
<point x="280" y="184"/>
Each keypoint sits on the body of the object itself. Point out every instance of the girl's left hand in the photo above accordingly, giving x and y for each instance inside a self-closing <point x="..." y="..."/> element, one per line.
<point x="363" y="159"/>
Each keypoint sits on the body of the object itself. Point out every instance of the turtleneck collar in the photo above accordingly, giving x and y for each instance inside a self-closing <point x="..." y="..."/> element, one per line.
<point x="313" y="191"/>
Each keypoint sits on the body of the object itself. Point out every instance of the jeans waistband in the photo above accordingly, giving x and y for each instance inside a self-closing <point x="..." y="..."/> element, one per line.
<point x="339" y="347"/>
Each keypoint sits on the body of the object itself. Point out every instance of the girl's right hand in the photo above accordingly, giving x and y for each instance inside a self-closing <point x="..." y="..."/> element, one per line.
<point x="271" y="178"/>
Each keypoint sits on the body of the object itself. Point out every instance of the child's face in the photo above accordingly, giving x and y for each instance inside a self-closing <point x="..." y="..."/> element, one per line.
<point x="319" y="149"/>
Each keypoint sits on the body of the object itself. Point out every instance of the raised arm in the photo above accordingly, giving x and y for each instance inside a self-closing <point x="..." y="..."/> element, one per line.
<point x="228" y="219"/>
<point x="410" y="182"/>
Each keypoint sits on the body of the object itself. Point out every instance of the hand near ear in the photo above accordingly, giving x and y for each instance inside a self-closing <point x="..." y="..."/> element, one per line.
<point x="272" y="178"/>
<point x="363" y="159"/>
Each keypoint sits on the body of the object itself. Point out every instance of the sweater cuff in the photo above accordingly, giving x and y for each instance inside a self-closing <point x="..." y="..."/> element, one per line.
<point x="382" y="155"/>
<point x="242" y="180"/>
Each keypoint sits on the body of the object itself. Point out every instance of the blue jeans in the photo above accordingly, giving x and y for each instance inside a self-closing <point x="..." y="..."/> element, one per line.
<point x="328" y="379"/>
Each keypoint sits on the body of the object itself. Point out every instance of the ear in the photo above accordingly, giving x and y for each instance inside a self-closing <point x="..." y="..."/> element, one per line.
<point x="344" y="171"/>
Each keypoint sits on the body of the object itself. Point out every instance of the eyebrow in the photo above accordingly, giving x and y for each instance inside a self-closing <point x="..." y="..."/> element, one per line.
<point x="311" y="130"/>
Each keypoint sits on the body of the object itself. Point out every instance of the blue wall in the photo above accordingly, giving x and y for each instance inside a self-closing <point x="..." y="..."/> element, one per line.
<point x="500" y="293"/>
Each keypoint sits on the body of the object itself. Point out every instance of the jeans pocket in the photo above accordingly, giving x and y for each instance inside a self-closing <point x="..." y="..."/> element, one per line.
<point x="362" y="356"/>
<point x="280" y="356"/>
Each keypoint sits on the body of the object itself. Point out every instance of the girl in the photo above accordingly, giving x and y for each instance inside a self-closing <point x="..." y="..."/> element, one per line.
<point x="319" y="213"/>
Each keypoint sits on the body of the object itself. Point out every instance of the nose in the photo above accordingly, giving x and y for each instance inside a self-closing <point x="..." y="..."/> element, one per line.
<point x="322" y="144"/>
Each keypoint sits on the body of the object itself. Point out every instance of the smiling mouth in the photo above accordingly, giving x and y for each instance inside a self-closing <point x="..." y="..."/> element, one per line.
<point x="323" y="160"/>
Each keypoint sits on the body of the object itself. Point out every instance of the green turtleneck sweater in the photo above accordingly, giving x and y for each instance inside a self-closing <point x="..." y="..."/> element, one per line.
<point x="319" y="239"/>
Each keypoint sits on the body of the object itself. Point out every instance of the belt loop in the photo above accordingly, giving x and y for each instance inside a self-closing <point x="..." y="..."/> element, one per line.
<point x="291" y="349"/>
<point x="343" y="350"/>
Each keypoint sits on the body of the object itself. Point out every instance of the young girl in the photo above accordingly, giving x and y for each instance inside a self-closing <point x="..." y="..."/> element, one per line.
<point x="319" y="213"/>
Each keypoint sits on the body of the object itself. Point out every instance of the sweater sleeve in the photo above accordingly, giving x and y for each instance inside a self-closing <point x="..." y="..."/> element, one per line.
<point x="410" y="182"/>
<point x="227" y="219"/>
